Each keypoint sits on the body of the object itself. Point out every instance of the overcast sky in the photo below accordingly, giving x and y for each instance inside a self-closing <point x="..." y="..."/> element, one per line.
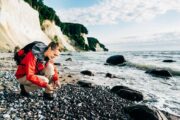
<point x="112" y="21"/>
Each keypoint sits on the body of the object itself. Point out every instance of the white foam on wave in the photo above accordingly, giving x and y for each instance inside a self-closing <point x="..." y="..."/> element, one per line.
<point x="173" y="69"/>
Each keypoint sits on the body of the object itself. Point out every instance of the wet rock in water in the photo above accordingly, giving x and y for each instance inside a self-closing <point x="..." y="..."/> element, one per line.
<point x="159" y="73"/>
<point x="66" y="68"/>
<point x="109" y="75"/>
<point x="58" y="64"/>
<point x="143" y="112"/>
<point x="169" y="61"/>
<point x="69" y="54"/>
<point x="68" y="59"/>
<point x="87" y="72"/>
<point x="84" y="83"/>
<point x="70" y="76"/>
<point x="115" y="60"/>
<point x="127" y="93"/>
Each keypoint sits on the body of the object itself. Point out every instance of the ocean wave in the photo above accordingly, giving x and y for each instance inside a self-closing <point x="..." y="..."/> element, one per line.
<point x="174" y="71"/>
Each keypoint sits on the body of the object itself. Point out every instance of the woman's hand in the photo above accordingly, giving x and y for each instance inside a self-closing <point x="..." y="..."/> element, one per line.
<point x="50" y="87"/>
<point x="51" y="61"/>
<point x="57" y="84"/>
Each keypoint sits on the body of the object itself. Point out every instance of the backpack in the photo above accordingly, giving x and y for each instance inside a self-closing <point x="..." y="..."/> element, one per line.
<point x="19" y="55"/>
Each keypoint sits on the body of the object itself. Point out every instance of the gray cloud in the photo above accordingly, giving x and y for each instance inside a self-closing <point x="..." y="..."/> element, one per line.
<point x="112" y="11"/>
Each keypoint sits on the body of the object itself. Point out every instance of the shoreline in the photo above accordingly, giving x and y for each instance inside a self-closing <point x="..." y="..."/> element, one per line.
<point x="68" y="80"/>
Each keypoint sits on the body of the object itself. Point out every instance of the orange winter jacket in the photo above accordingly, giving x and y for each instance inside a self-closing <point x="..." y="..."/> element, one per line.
<point x="30" y="67"/>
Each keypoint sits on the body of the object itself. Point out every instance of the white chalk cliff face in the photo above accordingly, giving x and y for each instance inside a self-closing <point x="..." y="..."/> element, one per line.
<point x="85" y="38"/>
<point x="19" y="25"/>
<point x="98" y="48"/>
<point x="52" y="31"/>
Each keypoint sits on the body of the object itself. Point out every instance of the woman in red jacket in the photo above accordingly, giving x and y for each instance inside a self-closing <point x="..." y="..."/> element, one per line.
<point x="36" y="70"/>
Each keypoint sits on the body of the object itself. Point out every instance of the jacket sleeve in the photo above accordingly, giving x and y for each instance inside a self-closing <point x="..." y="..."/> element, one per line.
<point x="55" y="76"/>
<point x="30" y="62"/>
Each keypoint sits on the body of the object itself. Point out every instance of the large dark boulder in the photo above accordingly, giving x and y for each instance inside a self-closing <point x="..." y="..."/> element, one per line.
<point x="169" y="61"/>
<point x="143" y="112"/>
<point x="115" y="60"/>
<point x="127" y="93"/>
<point x="87" y="72"/>
<point x="130" y="94"/>
<point x="159" y="73"/>
<point x="115" y="89"/>
<point x="84" y="83"/>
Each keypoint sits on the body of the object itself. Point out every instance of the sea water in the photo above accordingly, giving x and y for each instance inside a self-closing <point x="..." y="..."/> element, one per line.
<point x="160" y="92"/>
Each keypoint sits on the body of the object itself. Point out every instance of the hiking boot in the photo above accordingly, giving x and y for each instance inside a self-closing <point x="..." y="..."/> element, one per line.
<point x="48" y="96"/>
<point x="23" y="91"/>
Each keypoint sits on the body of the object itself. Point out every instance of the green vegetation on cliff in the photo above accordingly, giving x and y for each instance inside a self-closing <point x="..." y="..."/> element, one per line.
<point x="45" y="12"/>
<point x="73" y="30"/>
<point x="93" y="42"/>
